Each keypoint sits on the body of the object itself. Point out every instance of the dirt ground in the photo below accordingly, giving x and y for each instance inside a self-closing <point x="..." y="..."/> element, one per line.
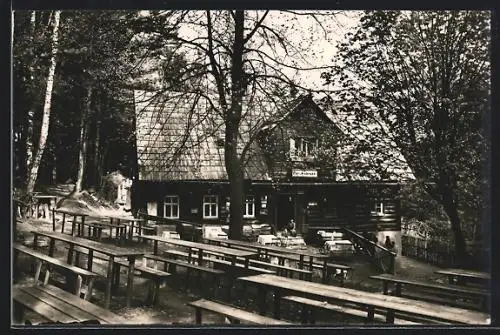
<point x="172" y="308"/>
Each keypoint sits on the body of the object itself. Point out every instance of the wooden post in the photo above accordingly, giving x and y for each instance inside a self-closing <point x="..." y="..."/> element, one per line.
<point x="53" y="220"/>
<point x="35" y="241"/>
<point x="301" y="262"/>
<point x="371" y="314"/>
<point x="305" y="314"/>
<point x="37" y="271"/>
<point x="398" y="289"/>
<point x="70" y="253"/>
<point x="130" y="279"/>
<point x="324" y="271"/>
<point x="116" y="276"/>
<point x="107" y="298"/>
<point x="90" y="258"/>
<point x="200" y="257"/>
<point x="385" y="284"/>
<point x="312" y="315"/>
<point x="277" y="303"/>
<point x="47" y="277"/>
<point x="262" y="292"/>
<point x="90" y="287"/>
<point x="78" y="285"/>
<point x="390" y="316"/>
<point x="52" y="247"/>
<point x="198" y="315"/>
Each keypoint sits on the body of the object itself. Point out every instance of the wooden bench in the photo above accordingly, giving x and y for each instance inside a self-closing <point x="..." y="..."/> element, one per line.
<point x="73" y="273"/>
<point x="171" y="264"/>
<point x="283" y="270"/>
<point x="441" y="293"/>
<point x="59" y="306"/>
<point x="236" y="315"/>
<point x="310" y="305"/>
<point x="344" y="269"/>
<point x="216" y="259"/>
<point x="155" y="277"/>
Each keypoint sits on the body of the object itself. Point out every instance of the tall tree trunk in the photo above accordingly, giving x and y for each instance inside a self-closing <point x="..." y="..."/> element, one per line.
<point x="451" y="210"/>
<point x="233" y="163"/>
<point x="44" y="131"/>
<point x="84" y="131"/>
<point x="31" y="112"/>
<point x="97" y="140"/>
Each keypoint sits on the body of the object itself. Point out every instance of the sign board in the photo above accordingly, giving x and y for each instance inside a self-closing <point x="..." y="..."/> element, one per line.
<point x="305" y="173"/>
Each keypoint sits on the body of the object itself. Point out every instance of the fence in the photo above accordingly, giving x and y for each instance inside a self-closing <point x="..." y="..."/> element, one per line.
<point x="439" y="252"/>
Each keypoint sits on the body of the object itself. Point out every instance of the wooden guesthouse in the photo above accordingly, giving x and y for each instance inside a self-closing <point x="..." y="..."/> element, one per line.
<point x="288" y="175"/>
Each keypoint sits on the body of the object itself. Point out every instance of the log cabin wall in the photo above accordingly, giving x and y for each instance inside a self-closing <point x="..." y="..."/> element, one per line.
<point x="189" y="195"/>
<point x="368" y="208"/>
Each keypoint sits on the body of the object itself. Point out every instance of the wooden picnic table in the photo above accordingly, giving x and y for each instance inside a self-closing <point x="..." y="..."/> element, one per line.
<point x="65" y="212"/>
<point x="391" y="304"/>
<point x="279" y="252"/>
<point x="203" y="247"/>
<point x="130" y="222"/>
<point x="462" y="276"/>
<point x="111" y="251"/>
<point x="102" y="223"/>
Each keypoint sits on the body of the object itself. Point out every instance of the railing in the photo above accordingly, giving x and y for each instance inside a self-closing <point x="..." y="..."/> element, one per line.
<point x="380" y="256"/>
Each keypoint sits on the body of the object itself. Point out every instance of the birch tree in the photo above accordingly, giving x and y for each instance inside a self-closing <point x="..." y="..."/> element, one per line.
<point x="46" y="107"/>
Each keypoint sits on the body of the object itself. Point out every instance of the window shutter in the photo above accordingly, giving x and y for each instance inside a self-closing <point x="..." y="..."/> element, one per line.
<point x="292" y="147"/>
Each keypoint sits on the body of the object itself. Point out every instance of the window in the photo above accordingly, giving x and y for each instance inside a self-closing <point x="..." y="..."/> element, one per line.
<point x="171" y="207"/>
<point x="378" y="207"/>
<point x="249" y="207"/>
<point x="303" y="147"/>
<point x="210" y="207"/>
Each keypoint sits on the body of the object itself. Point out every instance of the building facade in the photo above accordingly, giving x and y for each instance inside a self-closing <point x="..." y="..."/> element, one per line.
<point x="291" y="173"/>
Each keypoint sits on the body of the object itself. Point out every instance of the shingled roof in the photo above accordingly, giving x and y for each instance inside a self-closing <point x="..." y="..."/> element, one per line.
<point x="178" y="139"/>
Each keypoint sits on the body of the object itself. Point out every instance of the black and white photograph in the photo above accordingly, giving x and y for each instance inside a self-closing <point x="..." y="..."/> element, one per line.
<point x="237" y="167"/>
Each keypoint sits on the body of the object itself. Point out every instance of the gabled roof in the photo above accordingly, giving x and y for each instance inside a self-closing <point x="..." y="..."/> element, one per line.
<point x="177" y="139"/>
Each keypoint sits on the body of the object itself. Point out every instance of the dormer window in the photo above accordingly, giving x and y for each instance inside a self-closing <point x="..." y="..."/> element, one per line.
<point x="303" y="147"/>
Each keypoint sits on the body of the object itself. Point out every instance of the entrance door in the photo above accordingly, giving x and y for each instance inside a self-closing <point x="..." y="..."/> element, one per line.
<point x="286" y="209"/>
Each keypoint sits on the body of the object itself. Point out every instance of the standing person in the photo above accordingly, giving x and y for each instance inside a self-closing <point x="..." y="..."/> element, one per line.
<point x="388" y="244"/>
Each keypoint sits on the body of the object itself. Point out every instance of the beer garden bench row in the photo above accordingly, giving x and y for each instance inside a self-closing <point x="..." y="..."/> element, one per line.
<point x="258" y="266"/>
<point x="74" y="275"/>
<point x="170" y="265"/>
<point x="450" y="293"/>
<point x="309" y="306"/>
<point x="59" y="306"/>
<point x="393" y="307"/>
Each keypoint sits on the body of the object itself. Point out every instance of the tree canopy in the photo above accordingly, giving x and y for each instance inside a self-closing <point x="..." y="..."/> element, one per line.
<point x="419" y="82"/>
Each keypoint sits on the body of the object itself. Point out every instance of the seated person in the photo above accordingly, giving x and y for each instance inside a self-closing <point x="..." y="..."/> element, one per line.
<point x="291" y="228"/>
